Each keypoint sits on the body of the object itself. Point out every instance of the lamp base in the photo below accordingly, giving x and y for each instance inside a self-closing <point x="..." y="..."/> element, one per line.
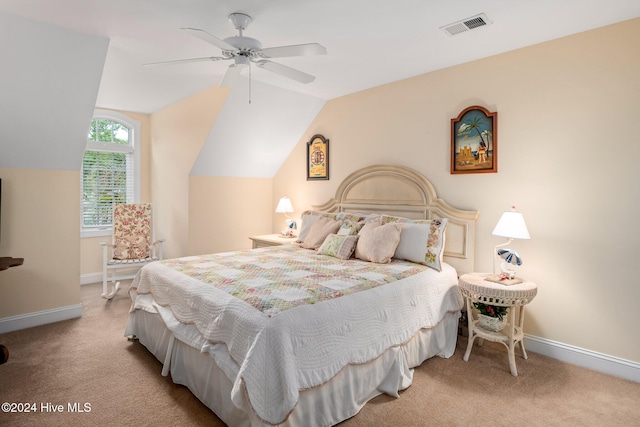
<point x="495" y="254"/>
<point x="507" y="272"/>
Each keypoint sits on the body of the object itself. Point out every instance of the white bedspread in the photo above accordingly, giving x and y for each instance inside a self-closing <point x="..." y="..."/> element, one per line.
<point x="303" y="347"/>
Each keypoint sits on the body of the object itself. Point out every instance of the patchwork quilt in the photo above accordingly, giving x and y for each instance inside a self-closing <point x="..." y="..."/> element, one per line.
<point x="273" y="280"/>
<point x="292" y="319"/>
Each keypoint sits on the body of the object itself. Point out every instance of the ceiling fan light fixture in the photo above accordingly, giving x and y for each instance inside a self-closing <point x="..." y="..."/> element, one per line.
<point x="241" y="61"/>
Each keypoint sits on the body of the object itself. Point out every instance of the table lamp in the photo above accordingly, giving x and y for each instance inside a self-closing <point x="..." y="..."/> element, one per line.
<point x="285" y="207"/>
<point x="511" y="226"/>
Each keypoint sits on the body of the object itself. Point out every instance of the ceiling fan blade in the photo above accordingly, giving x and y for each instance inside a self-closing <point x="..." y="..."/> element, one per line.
<point x="232" y="75"/>
<point x="293" y="50"/>
<point x="186" y="61"/>
<point x="285" y="71"/>
<point x="210" y="38"/>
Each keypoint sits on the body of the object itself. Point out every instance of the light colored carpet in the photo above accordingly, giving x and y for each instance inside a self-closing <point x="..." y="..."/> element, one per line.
<point x="88" y="360"/>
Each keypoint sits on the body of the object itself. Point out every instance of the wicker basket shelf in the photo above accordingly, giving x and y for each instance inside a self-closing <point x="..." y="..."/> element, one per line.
<point x="491" y="323"/>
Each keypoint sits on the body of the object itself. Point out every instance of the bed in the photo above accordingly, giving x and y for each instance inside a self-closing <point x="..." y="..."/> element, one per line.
<point x="307" y="333"/>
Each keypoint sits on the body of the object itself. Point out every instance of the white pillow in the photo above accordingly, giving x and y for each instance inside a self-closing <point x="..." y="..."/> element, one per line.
<point x="421" y="241"/>
<point x="307" y="222"/>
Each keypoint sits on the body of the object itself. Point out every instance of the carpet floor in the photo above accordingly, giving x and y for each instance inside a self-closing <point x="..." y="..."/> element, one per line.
<point x="84" y="372"/>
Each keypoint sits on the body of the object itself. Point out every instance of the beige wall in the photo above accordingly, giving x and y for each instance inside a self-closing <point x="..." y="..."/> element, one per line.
<point x="178" y="133"/>
<point x="40" y="223"/>
<point x="567" y="160"/>
<point x="225" y="211"/>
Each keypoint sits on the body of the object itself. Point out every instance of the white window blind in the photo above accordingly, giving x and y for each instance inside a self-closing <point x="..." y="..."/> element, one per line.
<point x="109" y="172"/>
<point x="107" y="179"/>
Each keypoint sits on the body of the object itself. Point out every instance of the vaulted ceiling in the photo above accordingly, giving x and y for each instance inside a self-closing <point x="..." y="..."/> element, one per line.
<point x="369" y="42"/>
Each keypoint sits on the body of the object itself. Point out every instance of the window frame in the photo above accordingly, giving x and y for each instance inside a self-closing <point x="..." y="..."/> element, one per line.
<point x="133" y="148"/>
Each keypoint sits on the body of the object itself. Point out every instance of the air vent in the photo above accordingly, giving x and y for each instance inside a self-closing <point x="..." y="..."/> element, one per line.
<point x="466" y="25"/>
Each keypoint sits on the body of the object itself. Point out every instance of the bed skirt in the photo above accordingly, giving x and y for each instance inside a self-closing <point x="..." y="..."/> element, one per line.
<point x="328" y="404"/>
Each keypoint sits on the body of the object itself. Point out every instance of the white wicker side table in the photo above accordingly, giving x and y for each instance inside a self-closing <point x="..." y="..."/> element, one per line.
<point x="475" y="289"/>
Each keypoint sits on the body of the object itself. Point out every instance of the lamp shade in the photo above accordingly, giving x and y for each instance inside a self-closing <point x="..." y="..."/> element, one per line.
<point x="284" y="205"/>
<point x="512" y="226"/>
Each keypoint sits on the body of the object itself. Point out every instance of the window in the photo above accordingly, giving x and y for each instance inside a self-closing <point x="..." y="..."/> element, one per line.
<point x="110" y="170"/>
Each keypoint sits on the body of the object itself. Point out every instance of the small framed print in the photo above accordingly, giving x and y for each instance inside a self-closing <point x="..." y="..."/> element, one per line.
<point x="317" y="158"/>
<point x="474" y="141"/>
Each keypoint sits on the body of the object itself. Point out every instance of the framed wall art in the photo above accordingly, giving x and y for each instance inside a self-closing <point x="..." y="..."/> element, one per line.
<point x="474" y="141"/>
<point x="318" y="158"/>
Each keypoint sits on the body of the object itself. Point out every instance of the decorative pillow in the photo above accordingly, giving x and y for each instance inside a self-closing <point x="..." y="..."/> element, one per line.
<point x="385" y="219"/>
<point x="421" y="241"/>
<point x="132" y="231"/>
<point x="355" y="217"/>
<point x="338" y="246"/>
<point x="350" y="228"/>
<point x="131" y="247"/>
<point x="308" y="218"/>
<point x="377" y="242"/>
<point x="319" y="231"/>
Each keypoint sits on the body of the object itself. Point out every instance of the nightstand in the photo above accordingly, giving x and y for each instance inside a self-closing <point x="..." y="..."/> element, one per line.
<point x="475" y="288"/>
<point x="271" y="240"/>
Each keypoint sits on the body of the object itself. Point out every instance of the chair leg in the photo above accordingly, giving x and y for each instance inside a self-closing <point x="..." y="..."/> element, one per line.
<point x="105" y="285"/>
<point x="104" y="282"/>
<point x="105" y="270"/>
<point x="113" y="293"/>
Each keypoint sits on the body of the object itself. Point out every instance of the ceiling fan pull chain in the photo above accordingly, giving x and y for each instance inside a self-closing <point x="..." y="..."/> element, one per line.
<point x="249" y="84"/>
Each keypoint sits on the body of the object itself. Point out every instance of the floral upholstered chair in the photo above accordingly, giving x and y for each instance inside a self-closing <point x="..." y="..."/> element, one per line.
<point x="133" y="245"/>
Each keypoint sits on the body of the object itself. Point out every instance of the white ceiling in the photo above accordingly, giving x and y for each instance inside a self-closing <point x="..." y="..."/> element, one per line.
<point x="369" y="42"/>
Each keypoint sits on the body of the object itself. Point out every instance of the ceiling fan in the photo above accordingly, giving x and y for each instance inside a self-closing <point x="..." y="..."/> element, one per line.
<point x="246" y="50"/>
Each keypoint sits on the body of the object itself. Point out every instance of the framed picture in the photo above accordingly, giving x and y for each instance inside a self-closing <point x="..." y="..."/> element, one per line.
<point x="318" y="158"/>
<point x="474" y="141"/>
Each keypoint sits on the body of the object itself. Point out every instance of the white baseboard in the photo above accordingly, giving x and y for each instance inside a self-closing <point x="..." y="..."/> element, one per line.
<point x="29" y="320"/>
<point x="586" y="358"/>
<point x="87" y="279"/>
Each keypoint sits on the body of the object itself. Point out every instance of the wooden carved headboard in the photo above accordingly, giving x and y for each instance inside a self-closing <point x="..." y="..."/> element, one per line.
<point x="400" y="191"/>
